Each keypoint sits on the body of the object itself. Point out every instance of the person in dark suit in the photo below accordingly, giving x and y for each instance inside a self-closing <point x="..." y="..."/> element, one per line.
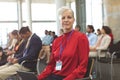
<point x="29" y="54"/>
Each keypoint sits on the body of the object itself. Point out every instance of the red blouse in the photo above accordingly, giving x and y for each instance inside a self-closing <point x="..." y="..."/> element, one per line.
<point x="74" y="56"/>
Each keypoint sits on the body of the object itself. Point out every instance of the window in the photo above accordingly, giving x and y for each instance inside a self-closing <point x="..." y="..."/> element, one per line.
<point x="73" y="8"/>
<point x="8" y="20"/>
<point x="94" y="13"/>
<point x="43" y="18"/>
<point x="5" y="29"/>
<point x="8" y="11"/>
<point x="39" y="28"/>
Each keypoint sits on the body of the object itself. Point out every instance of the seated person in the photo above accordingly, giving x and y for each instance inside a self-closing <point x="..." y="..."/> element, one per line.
<point x="77" y="27"/>
<point x="30" y="53"/>
<point x="92" y="37"/>
<point x="45" y="51"/>
<point x="16" y="41"/>
<point x="3" y="57"/>
<point x="9" y="51"/>
<point x="111" y="35"/>
<point x="101" y="44"/>
<point x="13" y="38"/>
<point x="70" y="51"/>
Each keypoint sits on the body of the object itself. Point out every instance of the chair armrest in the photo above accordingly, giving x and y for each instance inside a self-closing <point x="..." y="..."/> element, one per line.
<point x="27" y="61"/>
<point x="90" y="76"/>
<point x="100" y="53"/>
<point x="27" y="75"/>
<point x="41" y="64"/>
<point x="86" y="78"/>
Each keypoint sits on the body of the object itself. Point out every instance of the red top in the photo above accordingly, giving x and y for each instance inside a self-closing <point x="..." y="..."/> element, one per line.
<point x="74" y="56"/>
<point x="112" y="38"/>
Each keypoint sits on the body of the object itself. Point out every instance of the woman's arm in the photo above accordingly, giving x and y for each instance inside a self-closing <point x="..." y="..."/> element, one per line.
<point x="49" y="68"/>
<point x="80" y="71"/>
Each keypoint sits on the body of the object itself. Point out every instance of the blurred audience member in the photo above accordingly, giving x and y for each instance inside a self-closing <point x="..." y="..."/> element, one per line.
<point x="54" y="35"/>
<point x="45" y="51"/>
<point x="111" y="35"/>
<point x="103" y="43"/>
<point x="13" y="38"/>
<point x="92" y="37"/>
<point x="61" y="32"/>
<point x="77" y="28"/>
<point x="98" y="32"/>
<point x="30" y="53"/>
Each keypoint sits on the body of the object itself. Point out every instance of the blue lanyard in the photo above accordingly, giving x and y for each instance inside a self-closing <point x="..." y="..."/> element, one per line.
<point x="62" y="47"/>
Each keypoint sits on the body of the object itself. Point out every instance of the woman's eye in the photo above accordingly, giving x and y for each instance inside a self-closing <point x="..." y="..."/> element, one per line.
<point x="69" y="17"/>
<point x="63" y="17"/>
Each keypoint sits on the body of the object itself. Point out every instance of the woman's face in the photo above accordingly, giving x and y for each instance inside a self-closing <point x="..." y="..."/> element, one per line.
<point x="67" y="20"/>
<point x="88" y="29"/>
<point x="102" y="31"/>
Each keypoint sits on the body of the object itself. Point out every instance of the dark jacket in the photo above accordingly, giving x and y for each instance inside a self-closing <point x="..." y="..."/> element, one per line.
<point x="33" y="49"/>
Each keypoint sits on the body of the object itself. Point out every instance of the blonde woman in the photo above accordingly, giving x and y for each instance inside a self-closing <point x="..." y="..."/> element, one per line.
<point x="69" y="55"/>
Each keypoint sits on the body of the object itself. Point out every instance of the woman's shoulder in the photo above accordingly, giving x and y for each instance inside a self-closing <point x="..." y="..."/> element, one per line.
<point x="107" y="36"/>
<point x="79" y="34"/>
<point x="58" y="38"/>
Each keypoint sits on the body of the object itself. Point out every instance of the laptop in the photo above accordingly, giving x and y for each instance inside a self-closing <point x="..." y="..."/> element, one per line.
<point x="27" y="75"/>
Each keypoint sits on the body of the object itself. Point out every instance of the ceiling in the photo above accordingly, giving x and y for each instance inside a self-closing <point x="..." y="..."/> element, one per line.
<point x="41" y="1"/>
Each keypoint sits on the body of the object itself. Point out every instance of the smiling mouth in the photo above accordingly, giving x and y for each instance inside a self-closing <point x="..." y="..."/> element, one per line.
<point x="66" y="24"/>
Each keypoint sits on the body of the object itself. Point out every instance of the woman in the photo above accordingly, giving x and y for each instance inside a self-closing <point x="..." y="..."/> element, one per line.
<point x="69" y="55"/>
<point x="98" y="32"/>
<point x="8" y="52"/>
<point x="102" y="43"/>
<point x="77" y="28"/>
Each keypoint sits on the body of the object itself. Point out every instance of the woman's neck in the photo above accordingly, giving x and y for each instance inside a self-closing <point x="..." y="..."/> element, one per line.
<point x="67" y="31"/>
<point x="104" y="34"/>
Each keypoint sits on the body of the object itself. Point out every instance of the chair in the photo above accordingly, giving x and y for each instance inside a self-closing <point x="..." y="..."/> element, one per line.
<point x="23" y="75"/>
<point x="112" y="61"/>
<point x="90" y="74"/>
<point x="41" y="64"/>
<point x="105" y="54"/>
<point x="32" y="76"/>
<point x="109" y="67"/>
<point x="27" y="75"/>
<point x="111" y="57"/>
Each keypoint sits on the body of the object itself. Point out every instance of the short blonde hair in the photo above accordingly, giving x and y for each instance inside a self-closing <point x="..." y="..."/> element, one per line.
<point x="63" y="9"/>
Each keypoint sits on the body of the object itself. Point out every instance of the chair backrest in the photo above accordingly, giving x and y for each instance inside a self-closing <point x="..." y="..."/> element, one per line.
<point x="27" y="75"/>
<point x="41" y="64"/>
<point x="115" y="48"/>
<point x="89" y="74"/>
<point x="90" y="67"/>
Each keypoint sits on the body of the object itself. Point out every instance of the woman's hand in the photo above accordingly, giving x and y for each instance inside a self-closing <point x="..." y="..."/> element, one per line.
<point x="92" y="48"/>
<point x="14" y="60"/>
<point x="10" y="52"/>
<point x="9" y="59"/>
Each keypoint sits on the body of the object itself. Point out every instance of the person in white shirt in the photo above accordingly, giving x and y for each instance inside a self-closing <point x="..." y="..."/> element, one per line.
<point x="102" y="43"/>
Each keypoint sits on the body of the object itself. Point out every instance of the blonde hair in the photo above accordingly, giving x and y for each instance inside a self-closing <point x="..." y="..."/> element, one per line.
<point x="63" y="9"/>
